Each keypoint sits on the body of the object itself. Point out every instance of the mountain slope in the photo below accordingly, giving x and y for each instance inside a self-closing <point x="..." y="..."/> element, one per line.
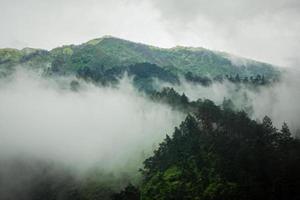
<point x="109" y="52"/>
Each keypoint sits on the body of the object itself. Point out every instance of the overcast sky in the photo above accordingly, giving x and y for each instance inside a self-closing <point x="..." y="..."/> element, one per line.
<point x="266" y="30"/>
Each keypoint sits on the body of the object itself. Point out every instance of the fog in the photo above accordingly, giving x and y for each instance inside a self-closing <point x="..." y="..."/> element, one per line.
<point x="279" y="101"/>
<point x="115" y="128"/>
<point x="112" y="128"/>
<point x="50" y="132"/>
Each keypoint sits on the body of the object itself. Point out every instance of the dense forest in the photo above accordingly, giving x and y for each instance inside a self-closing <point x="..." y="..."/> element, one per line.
<point x="217" y="153"/>
<point x="146" y="75"/>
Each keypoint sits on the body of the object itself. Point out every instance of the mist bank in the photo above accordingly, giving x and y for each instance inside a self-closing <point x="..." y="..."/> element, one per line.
<point x="112" y="128"/>
<point x="58" y="141"/>
<point x="116" y="127"/>
<point x="63" y="132"/>
<point x="278" y="100"/>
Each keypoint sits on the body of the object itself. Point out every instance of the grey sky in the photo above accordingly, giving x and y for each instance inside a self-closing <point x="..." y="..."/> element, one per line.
<point x="266" y="30"/>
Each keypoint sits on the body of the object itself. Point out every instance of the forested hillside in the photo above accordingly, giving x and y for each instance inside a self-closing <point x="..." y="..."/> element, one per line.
<point x="219" y="151"/>
<point x="109" y="52"/>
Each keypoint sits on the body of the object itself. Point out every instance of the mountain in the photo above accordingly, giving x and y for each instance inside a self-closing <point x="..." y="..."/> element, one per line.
<point x="110" y="52"/>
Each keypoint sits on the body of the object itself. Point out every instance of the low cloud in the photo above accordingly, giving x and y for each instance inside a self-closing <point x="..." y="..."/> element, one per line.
<point x="108" y="128"/>
<point x="280" y="100"/>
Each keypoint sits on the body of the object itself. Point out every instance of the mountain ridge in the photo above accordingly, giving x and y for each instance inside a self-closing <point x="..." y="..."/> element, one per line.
<point x="111" y="52"/>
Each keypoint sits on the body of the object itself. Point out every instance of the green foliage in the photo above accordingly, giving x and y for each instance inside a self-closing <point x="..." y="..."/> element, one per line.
<point x="144" y="75"/>
<point x="109" y="52"/>
<point x="221" y="154"/>
<point x="219" y="189"/>
<point x="10" y="55"/>
<point x="172" y="98"/>
<point x="113" y="52"/>
<point x="166" y="185"/>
